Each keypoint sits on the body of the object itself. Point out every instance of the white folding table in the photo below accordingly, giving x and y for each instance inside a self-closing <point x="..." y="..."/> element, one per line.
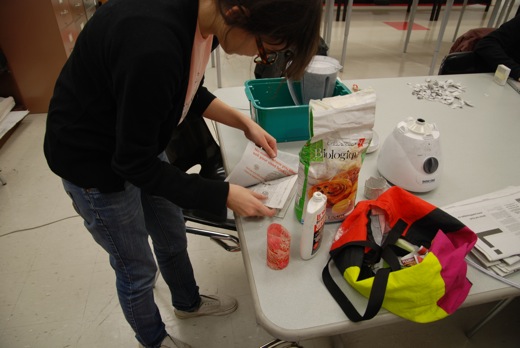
<point x="480" y="154"/>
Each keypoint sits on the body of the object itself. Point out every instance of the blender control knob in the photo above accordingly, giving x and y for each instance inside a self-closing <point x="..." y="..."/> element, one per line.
<point x="430" y="165"/>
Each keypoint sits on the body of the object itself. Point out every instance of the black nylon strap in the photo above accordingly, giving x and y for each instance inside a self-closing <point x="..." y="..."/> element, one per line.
<point x="377" y="293"/>
<point x="393" y="235"/>
<point x="391" y="259"/>
<point x="365" y="243"/>
<point x="375" y="300"/>
<point x="338" y="295"/>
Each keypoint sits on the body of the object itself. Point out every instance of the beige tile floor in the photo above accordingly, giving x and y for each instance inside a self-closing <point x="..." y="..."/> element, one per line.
<point x="57" y="289"/>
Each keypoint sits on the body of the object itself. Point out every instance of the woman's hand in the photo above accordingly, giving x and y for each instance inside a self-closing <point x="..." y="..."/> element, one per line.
<point x="245" y="202"/>
<point x="261" y="138"/>
<point x="220" y="112"/>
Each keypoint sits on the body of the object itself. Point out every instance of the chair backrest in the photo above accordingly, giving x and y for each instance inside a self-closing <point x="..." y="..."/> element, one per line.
<point x="462" y="59"/>
<point x="462" y="63"/>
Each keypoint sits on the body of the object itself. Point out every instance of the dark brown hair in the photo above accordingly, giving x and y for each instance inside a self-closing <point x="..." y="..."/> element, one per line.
<point x="294" y="23"/>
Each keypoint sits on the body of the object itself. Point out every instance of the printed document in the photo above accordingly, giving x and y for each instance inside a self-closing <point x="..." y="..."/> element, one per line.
<point x="272" y="177"/>
<point x="495" y="218"/>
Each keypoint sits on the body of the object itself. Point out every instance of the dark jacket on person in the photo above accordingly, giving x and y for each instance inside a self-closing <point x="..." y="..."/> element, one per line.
<point x="119" y="97"/>
<point x="502" y="46"/>
<point x="467" y="41"/>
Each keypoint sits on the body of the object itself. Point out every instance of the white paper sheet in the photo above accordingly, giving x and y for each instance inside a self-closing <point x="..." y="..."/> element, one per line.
<point x="273" y="177"/>
<point x="11" y="120"/>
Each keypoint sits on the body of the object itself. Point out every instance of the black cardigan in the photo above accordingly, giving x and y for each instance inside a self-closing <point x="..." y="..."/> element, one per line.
<point x="119" y="97"/>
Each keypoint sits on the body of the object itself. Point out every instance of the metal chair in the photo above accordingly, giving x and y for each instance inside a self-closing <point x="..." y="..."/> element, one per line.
<point x="193" y="144"/>
<point x="227" y="241"/>
<point x="462" y="63"/>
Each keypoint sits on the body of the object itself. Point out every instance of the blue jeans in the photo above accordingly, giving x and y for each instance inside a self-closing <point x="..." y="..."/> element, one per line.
<point x="121" y="223"/>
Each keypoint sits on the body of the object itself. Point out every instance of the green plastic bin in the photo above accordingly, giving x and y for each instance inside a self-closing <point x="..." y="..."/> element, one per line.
<point x="272" y="107"/>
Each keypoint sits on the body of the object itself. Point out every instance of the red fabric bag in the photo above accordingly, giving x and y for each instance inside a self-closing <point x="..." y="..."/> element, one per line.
<point x="431" y="289"/>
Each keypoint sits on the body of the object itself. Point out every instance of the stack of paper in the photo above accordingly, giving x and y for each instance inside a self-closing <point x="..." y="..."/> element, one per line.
<point x="9" y="118"/>
<point x="6" y="105"/>
<point x="495" y="218"/>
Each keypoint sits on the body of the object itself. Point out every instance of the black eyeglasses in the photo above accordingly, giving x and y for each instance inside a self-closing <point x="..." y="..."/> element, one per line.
<point x="263" y="57"/>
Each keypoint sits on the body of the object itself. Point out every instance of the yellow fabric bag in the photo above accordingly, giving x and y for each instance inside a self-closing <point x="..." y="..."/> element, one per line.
<point x="432" y="288"/>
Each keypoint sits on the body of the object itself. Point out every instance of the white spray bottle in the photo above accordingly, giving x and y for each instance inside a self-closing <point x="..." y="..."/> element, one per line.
<point x="313" y="225"/>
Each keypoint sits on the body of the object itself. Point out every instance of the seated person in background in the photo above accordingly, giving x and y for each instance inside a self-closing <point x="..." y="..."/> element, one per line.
<point x="502" y="46"/>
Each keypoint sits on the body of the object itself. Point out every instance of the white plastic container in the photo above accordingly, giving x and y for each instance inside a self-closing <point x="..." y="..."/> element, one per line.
<point x="313" y="224"/>
<point x="501" y="74"/>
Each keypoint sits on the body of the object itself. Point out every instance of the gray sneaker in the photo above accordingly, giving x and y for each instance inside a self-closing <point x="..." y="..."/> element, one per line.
<point x="170" y="342"/>
<point x="210" y="305"/>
